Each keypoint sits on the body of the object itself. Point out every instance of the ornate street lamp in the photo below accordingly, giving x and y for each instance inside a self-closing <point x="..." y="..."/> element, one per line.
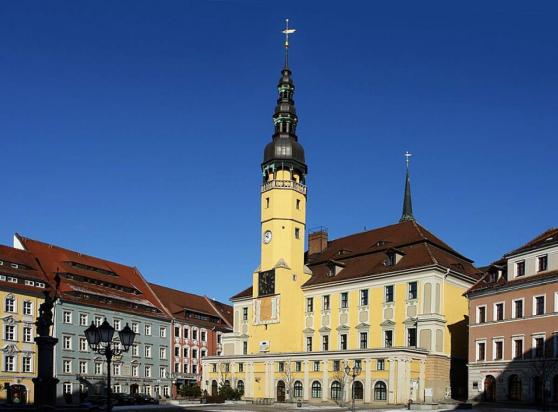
<point x="100" y="341"/>
<point x="353" y="373"/>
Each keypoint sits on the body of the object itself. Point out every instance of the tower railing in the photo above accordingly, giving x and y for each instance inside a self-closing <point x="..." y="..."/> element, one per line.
<point x="284" y="184"/>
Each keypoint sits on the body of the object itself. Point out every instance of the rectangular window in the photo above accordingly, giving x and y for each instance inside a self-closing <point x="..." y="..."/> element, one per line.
<point x="9" y="363"/>
<point x="316" y="366"/>
<point x="298" y="366"/>
<point x="147" y="351"/>
<point x="498" y="350"/>
<point x="389" y="293"/>
<point x="380" y="364"/>
<point x="412" y="337"/>
<point x="308" y="344"/>
<point x="163" y="353"/>
<point x="281" y="366"/>
<point x="520" y="268"/>
<point x="309" y="305"/>
<point x="163" y="332"/>
<point x="345" y="300"/>
<point x="325" y="302"/>
<point x="481" y="351"/>
<point x="68" y="387"/>
<point x="194" y="334"/>
<point x="147" y="330"/>
<point x="99" y="320"/>
<point x="364" y="297"/>
<point x="325" y="342"/>
<point x="67" y="342"/>
<point x="10" y="305"/>
<point x="187" y="333"/>
<point x="195" y="354"/>
<point x="518" y="348"/>
<point x="27" y="308"/>
<point x="147" y="371"/>
<point x="67" y="317"/>
<point x="82" y="344"/>
<point x="267" y="202"/>
<point x="542" y="263"/>
<point x="518" y="308"/>
<point x="99" y="368"/>
<point x="343" y="341"/>
<point x="413" y="290"/>
<point x="177" y="331"/>
<point x="163" y="372"/>
<point x="26" y="364"/>
<point x="83" y="367"/>
<point x="336" y="365"/>
<point x="135" y="349"/>
<point x="538" y="305"/>
<point x="83" y="319"/>
<point x="539" y="347"/>
<point x="117" y="324"/>
<point x="499" y="311"/>
<point x="388" y="338"/>
<point x="297" y="233"/>
<point x="27" y="334"/>
<point x="244" y="313"/>
<point x="9" y="332"/>
<point x="185" y="352"/>
<point x="241" y="367"/>
<point x="67" y="366"/>
<point x="194" y="369"/>
<point x="203" y="336"/>
<point x="363" y="340"/>
<point x="298" y="204"/>
<point x="245" y="348"/>
<point x="481" y="314"/>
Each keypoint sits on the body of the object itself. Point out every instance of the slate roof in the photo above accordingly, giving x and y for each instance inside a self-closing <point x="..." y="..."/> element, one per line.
<point x="96" y="282"/>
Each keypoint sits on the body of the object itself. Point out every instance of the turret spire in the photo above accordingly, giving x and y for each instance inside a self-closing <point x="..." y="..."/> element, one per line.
<point x="407" y="214"/>
<point x="286" y="32"/>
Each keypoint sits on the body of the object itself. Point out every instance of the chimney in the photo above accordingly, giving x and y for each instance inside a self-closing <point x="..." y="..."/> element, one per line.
<point x="317" y="241"/>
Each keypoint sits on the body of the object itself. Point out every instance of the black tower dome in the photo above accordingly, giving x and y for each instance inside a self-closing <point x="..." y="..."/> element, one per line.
<point x="284" y="151"/>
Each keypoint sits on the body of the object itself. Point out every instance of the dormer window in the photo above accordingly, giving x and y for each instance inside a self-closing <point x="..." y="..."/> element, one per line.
<point x="390" y="261"/>
<point x="334" y="267"/>
<point x="520" y="268"/>
<point x="393" y="256"/>
<point x="542" y="263"/>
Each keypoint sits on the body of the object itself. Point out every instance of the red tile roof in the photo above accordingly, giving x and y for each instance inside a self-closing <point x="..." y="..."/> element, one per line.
<point x="549" y="236"/>
<point x="96" y="282"/>
<point x="246" y="293"/>
<point x="178" y="301"/>
<point x="25" y="267"/>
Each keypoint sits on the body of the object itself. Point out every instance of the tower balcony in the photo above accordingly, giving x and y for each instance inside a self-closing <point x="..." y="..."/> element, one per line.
<point x="284" y="184"/>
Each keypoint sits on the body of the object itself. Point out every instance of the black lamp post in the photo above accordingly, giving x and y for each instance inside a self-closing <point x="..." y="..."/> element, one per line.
<point x="353" y="373"/>
<point x="100" y="340"/>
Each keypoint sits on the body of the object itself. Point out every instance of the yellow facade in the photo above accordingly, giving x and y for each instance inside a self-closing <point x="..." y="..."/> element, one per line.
<point x="19" y="355"/>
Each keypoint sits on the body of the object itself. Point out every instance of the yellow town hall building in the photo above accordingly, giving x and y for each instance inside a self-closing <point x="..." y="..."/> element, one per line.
<point x="387" y="303"/>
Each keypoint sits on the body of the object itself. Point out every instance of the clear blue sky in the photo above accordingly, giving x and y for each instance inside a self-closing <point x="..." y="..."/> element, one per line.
<point x="134" y="130"/>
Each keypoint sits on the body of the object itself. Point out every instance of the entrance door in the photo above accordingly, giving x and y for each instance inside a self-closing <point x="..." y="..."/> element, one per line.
<point x="280" y="391"/>
<point x="17" y="394"/>
<point x="214" y="388"/>
<point x="538" y="389"/>
<point x="134" y="388"/>
<point x="490" y="388"/>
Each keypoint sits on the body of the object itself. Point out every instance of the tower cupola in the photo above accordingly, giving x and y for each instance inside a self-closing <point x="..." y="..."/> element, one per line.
<point x="284" y="151"/>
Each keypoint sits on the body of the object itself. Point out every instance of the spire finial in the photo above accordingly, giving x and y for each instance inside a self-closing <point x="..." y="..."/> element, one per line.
<point x="407" y="214"/>
<point x="286" y="32"/>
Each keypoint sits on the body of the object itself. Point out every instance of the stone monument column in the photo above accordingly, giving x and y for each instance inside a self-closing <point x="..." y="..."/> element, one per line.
<point x="45" y="382"/>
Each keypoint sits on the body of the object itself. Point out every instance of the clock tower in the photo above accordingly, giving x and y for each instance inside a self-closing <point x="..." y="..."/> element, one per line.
<point x="277" y="293"/>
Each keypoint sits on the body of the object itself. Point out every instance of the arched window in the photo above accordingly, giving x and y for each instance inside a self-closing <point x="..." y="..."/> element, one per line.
<point x="380" y="391"/>
<point x="316" y="390"/>
<point x="514" y="388"/>
<point x="298" y="389"/>
<point x="240" y="386"/>
<point x="335" y="390"/>
<point x="358" y="390"/>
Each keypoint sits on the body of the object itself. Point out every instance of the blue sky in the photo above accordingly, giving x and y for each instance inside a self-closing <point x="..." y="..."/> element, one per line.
<point x="134" y="130"/>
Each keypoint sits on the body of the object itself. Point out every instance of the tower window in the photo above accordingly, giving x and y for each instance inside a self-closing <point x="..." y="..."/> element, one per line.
<point x="267" y="202"/>
<point x="298" y="203"/>
<point x="297" y="233"/>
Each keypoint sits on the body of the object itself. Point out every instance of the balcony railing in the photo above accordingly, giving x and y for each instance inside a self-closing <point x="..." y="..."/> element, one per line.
<point x="284" y="184"/>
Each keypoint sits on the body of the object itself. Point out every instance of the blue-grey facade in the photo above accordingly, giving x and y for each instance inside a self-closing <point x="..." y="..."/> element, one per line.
<point x="145" y="368"/>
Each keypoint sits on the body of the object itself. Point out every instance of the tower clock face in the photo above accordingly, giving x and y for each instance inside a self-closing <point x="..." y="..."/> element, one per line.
<point x="267" y="236"/>
<point x="266" y="283"/>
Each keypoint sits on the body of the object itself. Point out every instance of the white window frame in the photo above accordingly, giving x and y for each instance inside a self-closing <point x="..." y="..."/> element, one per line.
<point x="27" y="334"/>
<point x="535" y="336"/>
<point x="516" y="266"/>
<point x="514" y="315"/>
<point x="98" y="320"/>
<point x="163" y="332"/>
<point x="148" y="351"/>
<point x="117" y="324"/>
<point x="82" y="344"/>
<point x="10" y="366"/>
<point x="67" y="339"/>
<point x="83" y="367"/>
<point x="495" y="312"/>
<point x="98" y="368"/>
<point x="163" y="353"/>
<point x="538" y="262"/>
<point x="534" y="304"/>
<point x="147" y="330"/>
<point x="68" y="388"/>
<point x="83" y="318"/>
<point x="147" y="371"/>
<point x="67" y="317"/>
<point x="13" y="333"/>
<point x="135" y="371"/>
<point x="27" y="304"/>
<point x="494" y="341"/>
<point x="26" y="364"/>
<point x="485" y="313"/>
<point x="65" y="363"/>
<point x="135" y="327"/>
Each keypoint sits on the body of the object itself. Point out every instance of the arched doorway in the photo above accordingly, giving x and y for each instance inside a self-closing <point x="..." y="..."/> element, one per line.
<point x="17" y="394"/>
<point x="490" y="388"/>
<point x="358" y="390"/>
<point x="134" y="389"/>
<point x="336" y="392"/>
<point x="280" y="391"/>
<point x="214" y="391"/>
<point x="514" y="388"/>
<point x="380" y="391"/>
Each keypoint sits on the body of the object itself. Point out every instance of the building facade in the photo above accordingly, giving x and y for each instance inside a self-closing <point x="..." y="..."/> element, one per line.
<point x="389" y="301"/>
<point x="196" y="328"/>
<point x="22" y="284"/>
<point x="91" y="290"/>
<point x="513" y="331"/>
